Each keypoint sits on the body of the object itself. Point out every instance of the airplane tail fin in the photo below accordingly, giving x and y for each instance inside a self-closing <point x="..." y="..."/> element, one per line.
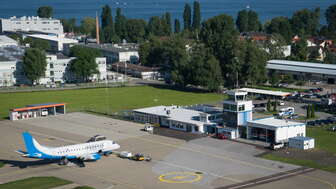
<point x="30" y="143"/>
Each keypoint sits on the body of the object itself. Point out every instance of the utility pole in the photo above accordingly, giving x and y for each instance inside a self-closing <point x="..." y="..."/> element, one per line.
<point x="97" y="29"/>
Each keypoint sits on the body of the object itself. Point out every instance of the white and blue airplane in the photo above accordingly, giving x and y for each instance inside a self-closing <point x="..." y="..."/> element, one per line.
<point x="90" y="151"/>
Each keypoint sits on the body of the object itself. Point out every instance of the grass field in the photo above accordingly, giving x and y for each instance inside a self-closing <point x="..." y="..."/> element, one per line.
<point x="2" y="164"/>
<point x="301" y="162"/>
<point x="106" y="100"/>
<point x="325" y="140"/>
<point x="35" y="183"/>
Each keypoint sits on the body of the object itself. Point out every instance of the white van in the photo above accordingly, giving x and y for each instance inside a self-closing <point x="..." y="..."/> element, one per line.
<point x="44" y="112"/>
<point x="286" y="111"/>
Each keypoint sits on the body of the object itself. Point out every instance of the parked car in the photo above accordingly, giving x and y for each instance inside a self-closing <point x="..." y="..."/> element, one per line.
<point x="276" y="146"/>
<point x="281" y="103"/>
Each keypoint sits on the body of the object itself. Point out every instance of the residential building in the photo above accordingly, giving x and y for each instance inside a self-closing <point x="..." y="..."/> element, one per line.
<point x="126" y="52"/>
<point x="57" y="43"/>
<point x="27" y="24"/>
<point x="58" y="70"/>
<point x="11" y="69"/>
<point x="7" y="41"/>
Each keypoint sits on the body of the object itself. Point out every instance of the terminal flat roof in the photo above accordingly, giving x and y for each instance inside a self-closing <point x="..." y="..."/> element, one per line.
<point x="266" y="92"/>
<point x="305" y="67"/>
<point x="37" y="106"/>
<point x="272" y="122"/>
<point x="176" y="113"/>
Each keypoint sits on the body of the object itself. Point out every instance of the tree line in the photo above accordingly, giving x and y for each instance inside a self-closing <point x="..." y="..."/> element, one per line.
<point x="209" y="53"/>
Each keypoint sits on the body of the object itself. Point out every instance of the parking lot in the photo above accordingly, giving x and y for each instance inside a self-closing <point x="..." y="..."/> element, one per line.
<point x="199" y="163"/>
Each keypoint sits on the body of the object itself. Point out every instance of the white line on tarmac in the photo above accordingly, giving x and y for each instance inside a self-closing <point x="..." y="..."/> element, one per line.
<point x="275" y="178"/>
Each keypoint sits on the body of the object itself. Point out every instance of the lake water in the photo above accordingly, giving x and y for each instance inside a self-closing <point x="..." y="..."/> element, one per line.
<point x="78" y="9"/>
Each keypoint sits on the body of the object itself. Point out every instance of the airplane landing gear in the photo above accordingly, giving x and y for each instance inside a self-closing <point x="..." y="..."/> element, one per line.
<point x="64" y="161"/>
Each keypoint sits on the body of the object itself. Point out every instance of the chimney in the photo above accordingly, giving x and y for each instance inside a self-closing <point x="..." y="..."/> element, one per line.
<point x="97" y="29"/>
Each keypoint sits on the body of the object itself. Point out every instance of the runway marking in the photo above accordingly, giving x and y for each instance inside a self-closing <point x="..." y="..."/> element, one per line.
<point x="197" y="170"/>
<point x="180" y="177"/>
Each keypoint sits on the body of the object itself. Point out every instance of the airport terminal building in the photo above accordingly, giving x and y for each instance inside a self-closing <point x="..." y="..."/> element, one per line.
<point x="234" y="121"/>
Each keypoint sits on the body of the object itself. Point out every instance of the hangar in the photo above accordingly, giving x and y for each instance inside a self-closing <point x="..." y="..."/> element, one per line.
<point x="37" y="110"/>
<point x="304" y="70"/>
<point x="272" y="130"/>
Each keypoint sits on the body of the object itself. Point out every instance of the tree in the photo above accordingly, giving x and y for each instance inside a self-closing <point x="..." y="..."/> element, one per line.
<point x="37" y="43"/>
<point x="88" y="25"/>
<point x="107" y="24"/>
<point x="330" y="15"/>
<point x="177" y="26"/>
<point x="106" y="17"/>
<point x="196" y="22"/>
<point x="242" y="21"/>
<point x="280" y="25"/>
<point x="253" y="21"/>
<point x="312" y="111"/>
<point x="135" y="30"/>
<point x="299" y="50"/>
<point x="253" y="70"/>
<point x="330" y="58"/>
<point x="34" y="64"/>
<point x="273" y="78"/>
<point x="69" y="25"/>
<point x="275" y="104"/>
<point x="308" y="114"/>
<point x="120" y="24"/>
<point x="314" y="54"/>
<point x="84" y="66"/>
<point x="203" y="69"/>
<point x="187" y="17"/>
<point x="167" y="23"/>
<point x="219" y="34"/>
<point x="268" y="107"/>
<point x="45" y="12"/>
<point x="275" y="47"/>
<point x="248" y="21"/>
<point x="155" y="26"/>
<point x="306" y="22"/>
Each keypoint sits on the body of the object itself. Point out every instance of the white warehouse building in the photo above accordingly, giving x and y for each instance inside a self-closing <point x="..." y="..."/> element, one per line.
<point x="28" y="24"/>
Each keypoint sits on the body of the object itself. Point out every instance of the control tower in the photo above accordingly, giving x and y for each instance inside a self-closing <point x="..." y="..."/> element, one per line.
<point x="237" y="110"/>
